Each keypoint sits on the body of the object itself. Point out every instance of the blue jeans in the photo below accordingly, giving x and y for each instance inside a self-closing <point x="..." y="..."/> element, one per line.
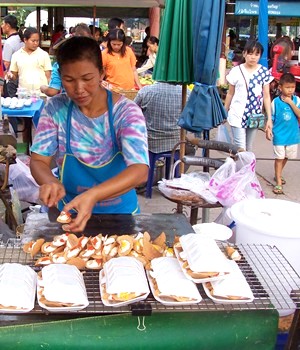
<point x="244" y="137"/>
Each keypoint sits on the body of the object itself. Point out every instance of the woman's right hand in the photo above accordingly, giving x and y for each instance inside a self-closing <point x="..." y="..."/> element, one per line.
<point x="51" y="193"/>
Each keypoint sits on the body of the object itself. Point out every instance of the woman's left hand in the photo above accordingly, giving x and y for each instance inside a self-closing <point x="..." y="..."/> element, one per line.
<point x="83" y="204"/>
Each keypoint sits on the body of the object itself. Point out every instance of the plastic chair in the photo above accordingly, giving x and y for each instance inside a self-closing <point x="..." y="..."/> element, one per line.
<point x="206" y="162"/>
<point x="153" y="157"/>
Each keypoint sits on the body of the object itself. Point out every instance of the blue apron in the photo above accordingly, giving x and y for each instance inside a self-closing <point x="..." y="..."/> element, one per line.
<point x="77" y="176"/>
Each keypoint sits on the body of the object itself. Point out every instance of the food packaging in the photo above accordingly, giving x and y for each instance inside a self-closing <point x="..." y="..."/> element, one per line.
<point x="169" y="285"/>
<point x="123" y="281"/>
<point x="17" y="288"/>
<point x="62" y="288"/>
<point x="201" y="259"/>
<point x="234" y="289"/>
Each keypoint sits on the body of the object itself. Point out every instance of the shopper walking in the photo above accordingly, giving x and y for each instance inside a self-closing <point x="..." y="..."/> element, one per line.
<point x="285" y="133"/>
<point x="248" y="94"/>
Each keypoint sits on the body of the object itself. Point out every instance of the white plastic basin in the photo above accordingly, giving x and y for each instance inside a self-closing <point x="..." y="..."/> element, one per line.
<point x="270" y="221"/>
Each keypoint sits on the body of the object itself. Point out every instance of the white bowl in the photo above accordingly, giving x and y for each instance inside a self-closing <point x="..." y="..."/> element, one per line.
<point x="213" y="230"/>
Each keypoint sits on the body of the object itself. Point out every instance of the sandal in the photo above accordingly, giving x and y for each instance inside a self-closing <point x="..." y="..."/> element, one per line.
<point x="282" y="180"/>
<point x="278" y="190"/>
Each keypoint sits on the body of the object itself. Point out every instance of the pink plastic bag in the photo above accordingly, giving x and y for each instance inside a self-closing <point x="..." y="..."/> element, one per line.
<point x="236" y="180"/>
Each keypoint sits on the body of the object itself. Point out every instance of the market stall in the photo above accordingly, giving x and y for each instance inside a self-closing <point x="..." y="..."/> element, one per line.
<point x="148" y="323"/>
<point x="30" y="114"/>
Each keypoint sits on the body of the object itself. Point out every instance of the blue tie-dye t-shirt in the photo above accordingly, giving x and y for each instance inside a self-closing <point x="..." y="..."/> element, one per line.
<point x="91" y="140"/>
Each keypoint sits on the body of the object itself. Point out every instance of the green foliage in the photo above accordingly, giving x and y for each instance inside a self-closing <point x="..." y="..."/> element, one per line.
<point x="103" y="24"/>
<point x="21" y="13"/>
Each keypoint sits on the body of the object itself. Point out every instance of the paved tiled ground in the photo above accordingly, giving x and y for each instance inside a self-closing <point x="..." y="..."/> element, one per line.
<point x="265" y="174"/>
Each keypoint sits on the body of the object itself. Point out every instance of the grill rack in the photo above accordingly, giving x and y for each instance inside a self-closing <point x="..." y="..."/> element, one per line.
<point x="273" y="282"/>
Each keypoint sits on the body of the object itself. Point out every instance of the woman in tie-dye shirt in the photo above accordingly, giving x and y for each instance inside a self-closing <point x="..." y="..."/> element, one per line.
<point x="97" y="138"/>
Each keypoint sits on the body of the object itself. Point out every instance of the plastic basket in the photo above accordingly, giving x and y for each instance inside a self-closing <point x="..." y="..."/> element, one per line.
<point x="129" y="93"/>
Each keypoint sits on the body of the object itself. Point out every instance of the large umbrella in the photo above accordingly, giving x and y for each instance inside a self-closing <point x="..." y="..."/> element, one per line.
<point x="174" y="63"/>
<point x="204" y="109"/>
<point x="263" y="30"/>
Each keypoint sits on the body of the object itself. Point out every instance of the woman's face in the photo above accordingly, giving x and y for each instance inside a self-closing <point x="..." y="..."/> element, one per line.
<point x="97" y="36"/>
<point x="152" y="47"/>
<point x="81" y="81"/>
<point x="252" y="58"/>
<point x="32" y="43"/>
<point x="116" y="45"/>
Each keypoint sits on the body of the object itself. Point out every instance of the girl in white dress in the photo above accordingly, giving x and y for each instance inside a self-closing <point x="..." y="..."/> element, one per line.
<point x="249" y="92"/>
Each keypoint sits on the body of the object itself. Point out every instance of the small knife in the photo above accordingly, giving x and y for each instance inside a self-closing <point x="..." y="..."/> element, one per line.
<point x="53" y="214"/>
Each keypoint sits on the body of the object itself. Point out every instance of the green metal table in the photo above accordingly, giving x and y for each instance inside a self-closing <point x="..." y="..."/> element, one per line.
<point x="149" y="324"/>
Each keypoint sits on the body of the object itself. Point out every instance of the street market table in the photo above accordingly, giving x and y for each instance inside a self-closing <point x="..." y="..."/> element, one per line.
<point x="30" y="115"/>
<point x="150" y="324"/>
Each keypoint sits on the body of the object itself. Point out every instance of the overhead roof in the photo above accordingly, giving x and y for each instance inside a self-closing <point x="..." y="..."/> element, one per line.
<point x="85" y="3"/>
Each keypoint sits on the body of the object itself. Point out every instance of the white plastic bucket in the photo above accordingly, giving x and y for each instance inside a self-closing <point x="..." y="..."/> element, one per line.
<point x="270" y="221"/>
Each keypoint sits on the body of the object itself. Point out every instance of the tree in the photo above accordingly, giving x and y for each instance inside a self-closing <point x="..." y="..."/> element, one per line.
<point x="21" y="13"/>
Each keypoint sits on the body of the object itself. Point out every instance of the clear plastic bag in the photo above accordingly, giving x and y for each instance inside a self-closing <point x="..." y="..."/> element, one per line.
<point x="23" y="182"/>
<point x="5" y="232"/>
<point x="190" y="188"/>
<point x="177" y="194"/>
<point x="223" y="134"/>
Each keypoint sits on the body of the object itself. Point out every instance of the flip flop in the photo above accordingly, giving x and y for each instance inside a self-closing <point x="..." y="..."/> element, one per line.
<point x="282" y="180"/>
<point x="278" y="189"/>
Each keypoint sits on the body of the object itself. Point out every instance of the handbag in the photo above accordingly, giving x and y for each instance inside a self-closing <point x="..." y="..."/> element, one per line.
<point x="10" y="88"/>
<point x="254" y="121"/>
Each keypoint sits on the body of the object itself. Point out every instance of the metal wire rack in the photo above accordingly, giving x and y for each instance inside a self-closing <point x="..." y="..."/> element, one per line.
<point x="276" y="275"/>
<point x="273" y="282"/>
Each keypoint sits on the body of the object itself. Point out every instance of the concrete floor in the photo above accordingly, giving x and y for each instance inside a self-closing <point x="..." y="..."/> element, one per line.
<point x="265" y="173"/>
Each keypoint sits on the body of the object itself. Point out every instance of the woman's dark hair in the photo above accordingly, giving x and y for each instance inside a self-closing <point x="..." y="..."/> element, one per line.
<point x="153" y="40"/>
<point x="116" y="34"/>
<point x="128" y="40"/>
<point x="287" y="78"/>
<point x="79" y="48"/>
<point x="29" y="31"/>
<point x="97" y="29"/>
<point x="252" y="46"/>
<point x="59" y="28"/>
